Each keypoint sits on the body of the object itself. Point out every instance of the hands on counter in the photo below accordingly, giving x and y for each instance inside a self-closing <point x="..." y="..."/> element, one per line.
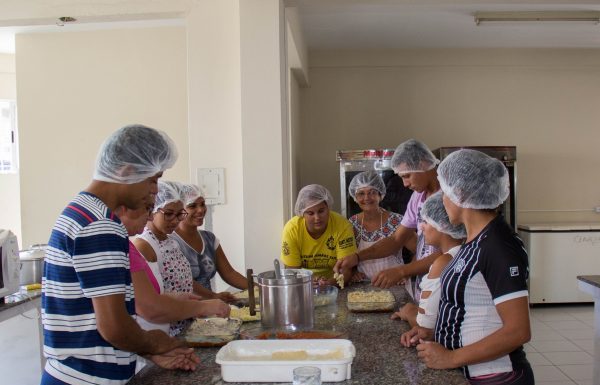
<point x="389" y="277"/>
<point x="346" y="263"/>
<point x="178" y="358"/>
<point x="225" y="296"/>
<point x="215" y="307"/>
<point x="435" y="356"/>
<point x="384" y="279"/>
<point x="414" y="335"/>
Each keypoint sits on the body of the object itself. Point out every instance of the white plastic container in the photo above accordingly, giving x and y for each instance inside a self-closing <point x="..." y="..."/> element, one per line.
<point x="264" y="360"/>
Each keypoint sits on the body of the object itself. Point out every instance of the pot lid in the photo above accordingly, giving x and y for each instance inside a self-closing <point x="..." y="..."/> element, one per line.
<point x="289" y="276"/>
<point x="34" y="253"/>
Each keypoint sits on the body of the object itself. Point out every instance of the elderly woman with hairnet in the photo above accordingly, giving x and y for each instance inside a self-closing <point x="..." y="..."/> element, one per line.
<point x="483" y="318"/>
<point x="317" y="237"/>
<point x="202" y="248"/>
<point x="373" y="223"/>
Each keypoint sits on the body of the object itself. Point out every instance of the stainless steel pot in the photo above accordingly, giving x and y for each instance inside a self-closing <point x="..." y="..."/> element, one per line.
<point x="32" y="264"/>
<point x="285" y="302"/>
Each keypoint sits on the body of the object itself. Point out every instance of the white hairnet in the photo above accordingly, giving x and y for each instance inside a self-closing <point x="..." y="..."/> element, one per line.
<point x="473" y="180"/>
<point x="134" y="153"/>
<point x="312" y="195"/>
<point x="168" y="192"/>
<point x="366" y="179"/>
<point x="189" y="193"/>
<point x="434" y="213"/>
<point x="413" y="156"/>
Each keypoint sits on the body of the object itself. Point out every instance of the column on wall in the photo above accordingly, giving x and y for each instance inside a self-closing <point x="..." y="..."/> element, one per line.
<point x="236" y="117"/>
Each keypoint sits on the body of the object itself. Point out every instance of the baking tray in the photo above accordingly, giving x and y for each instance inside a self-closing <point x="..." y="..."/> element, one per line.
<point x="260" y="360"/>
<point x="371" y="306"/>
<point x="196" y="338"/>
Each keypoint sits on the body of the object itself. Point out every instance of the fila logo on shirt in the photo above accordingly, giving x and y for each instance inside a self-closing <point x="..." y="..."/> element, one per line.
<point x="460" y="265"/>
<point x="514" y="271"/>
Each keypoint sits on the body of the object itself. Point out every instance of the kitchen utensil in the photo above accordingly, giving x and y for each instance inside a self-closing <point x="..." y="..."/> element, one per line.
<point x="32" y="264"/>
<point x="285" y="302"/>
<point x="325" y="295"/>
<point x="277" y="268"/>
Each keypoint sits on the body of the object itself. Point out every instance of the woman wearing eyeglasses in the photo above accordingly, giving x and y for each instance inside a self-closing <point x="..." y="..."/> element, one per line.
<point x="202" y="248"/>
<point x="156" y="245"/>
<point x="373" y="222"/>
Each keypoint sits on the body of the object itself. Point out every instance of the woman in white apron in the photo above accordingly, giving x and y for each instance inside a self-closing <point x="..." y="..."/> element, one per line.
<point x="372" y="223"/>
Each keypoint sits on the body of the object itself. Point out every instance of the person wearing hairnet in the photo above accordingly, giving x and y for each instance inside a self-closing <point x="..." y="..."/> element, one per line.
<point x="317" y="237"/>
<point x="202" y="248"/>
<point x="155" y="308"/>
<point x="373" y="222"/>
<point x="483" y="318"/>
<point x="416" y="165"/>
<point x="439" y="232"/>
<point x="156" y="246"/>
<point x="90" y="335"/>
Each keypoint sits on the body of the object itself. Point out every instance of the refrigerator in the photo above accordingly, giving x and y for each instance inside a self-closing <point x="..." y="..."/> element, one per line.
<point x="351" y="162"/>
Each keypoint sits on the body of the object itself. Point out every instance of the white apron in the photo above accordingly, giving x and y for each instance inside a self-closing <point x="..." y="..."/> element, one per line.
<point x="371" y="267"/>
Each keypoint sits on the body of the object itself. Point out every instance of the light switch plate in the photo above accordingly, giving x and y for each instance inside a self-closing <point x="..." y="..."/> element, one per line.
<point x="212" y="183"/>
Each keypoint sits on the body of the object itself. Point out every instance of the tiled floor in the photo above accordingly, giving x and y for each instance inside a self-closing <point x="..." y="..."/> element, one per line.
<point x="561" y="349"/>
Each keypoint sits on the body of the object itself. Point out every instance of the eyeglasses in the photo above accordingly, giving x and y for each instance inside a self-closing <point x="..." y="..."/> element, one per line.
<point x="370" y="193"/>
<point x="170" y="215"/>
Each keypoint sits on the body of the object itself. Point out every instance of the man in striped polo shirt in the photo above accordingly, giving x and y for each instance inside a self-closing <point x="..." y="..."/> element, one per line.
<point x="90" y="335"/>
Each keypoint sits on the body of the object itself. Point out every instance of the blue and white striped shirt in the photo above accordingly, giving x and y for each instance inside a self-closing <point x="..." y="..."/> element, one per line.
<point x="86" y="258"/>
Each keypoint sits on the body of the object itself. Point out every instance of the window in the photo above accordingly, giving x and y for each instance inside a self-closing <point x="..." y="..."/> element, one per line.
<point x="8" y="137"/>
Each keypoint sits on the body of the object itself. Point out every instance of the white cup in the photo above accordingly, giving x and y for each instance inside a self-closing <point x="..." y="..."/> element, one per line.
<point x="307" y="375"/>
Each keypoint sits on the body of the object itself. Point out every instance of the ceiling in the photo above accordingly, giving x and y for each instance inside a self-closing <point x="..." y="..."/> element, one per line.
<point x="331" y="24"/>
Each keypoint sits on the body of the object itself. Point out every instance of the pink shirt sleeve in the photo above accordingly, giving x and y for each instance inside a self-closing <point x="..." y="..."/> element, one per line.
<point x="138" y="263"/>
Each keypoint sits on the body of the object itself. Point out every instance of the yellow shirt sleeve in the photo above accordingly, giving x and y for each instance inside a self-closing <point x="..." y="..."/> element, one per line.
<point x="290" y="245"/>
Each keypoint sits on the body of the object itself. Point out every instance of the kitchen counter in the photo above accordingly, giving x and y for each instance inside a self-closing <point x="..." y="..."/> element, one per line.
<point x="380" y="359"/>
<point x="20" y="303"/>
<point x="591" y="284"/>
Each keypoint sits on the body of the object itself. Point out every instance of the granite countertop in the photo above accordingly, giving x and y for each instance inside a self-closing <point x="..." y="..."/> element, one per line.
<point x="19" y="298"/>
<point x="593" y="280"/>
<point x="380" y="359"/>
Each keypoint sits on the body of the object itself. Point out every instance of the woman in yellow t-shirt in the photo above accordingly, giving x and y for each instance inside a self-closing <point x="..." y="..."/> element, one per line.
<point x="317" y="237"/>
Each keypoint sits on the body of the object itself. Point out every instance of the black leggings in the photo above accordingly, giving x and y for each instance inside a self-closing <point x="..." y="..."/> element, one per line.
<point x="523" y="376"/>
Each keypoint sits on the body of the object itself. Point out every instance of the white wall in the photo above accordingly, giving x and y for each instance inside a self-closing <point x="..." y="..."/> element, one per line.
<point x="543" y="101"/>
<point x="214" y="111"/>
<point x="235" y="64"/>
<point x="74" y="89"/>
<point x="9" y="183"/>
<point x="264" y="128"/>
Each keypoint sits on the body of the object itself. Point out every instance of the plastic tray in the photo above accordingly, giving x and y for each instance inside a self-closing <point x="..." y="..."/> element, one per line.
<point x="257" y="360"/>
